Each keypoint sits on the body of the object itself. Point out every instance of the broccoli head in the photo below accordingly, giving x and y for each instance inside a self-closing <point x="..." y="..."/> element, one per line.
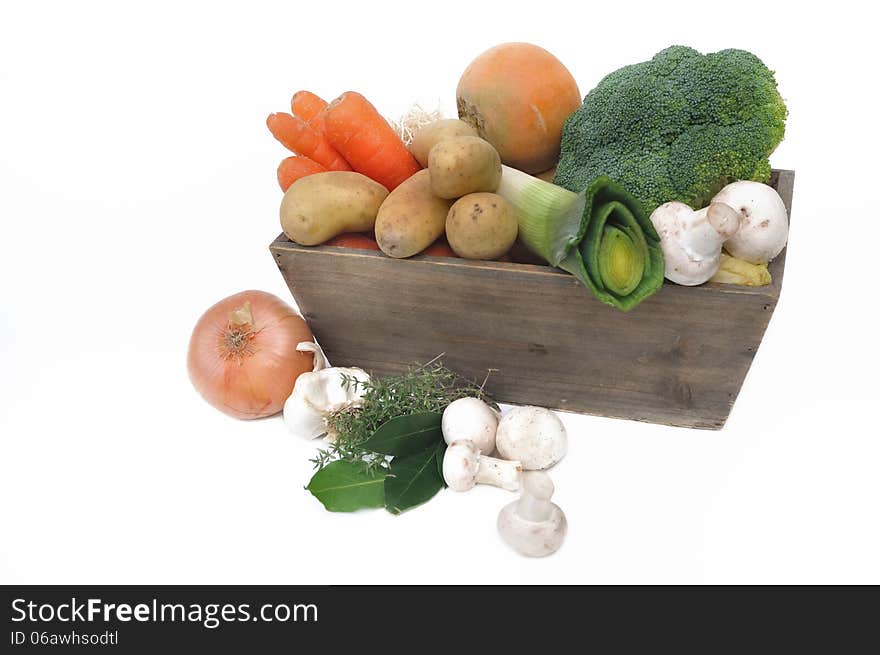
<point x="677" y="127"/>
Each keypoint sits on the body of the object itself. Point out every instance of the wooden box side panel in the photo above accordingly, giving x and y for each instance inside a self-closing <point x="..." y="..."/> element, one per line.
<point x="679" y="358"/>
<point x="674" y="359"/>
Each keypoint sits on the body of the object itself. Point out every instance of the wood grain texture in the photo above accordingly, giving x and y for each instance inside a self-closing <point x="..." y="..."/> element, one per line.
<point x="679" y="358"/>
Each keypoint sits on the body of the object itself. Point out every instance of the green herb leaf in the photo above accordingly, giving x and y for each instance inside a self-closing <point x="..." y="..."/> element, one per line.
<point x="406" y="435"/>
<point x="344" y="486"/>
<point x="412" y="480"/>
<point x="441" y="453"/>
<point x="426" y="388"/>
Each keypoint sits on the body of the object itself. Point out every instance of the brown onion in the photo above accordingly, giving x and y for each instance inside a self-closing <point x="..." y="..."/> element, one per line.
<point x="243" y="357"/>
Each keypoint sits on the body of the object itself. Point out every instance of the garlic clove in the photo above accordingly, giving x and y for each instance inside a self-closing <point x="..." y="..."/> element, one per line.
<point x="320" y="359"/>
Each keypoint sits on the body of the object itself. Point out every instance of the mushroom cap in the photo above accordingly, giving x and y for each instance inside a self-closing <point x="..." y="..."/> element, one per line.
<point x="460" y="465"/>
<point x="690" y="243"/>
<point x="532" y="435"/>
<point x="763" y="230"/>
<point x="470" y="419"/>
<point x="531" y="538"/>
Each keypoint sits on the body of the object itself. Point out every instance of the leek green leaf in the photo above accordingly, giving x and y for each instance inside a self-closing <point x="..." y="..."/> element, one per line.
<point x="610" y="207"/>
<point x="601" y="235"/>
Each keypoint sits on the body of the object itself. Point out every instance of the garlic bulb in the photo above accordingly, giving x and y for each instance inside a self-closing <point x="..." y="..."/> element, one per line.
<point x="320" y="393"/>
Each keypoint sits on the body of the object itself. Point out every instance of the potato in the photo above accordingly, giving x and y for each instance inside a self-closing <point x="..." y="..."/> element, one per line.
<point x="481" y="226"/>
<point x="428" y="136"/>
<point x="320" y="206"/>
<point x="463" y="165"/>
<point x="411" y="218"/>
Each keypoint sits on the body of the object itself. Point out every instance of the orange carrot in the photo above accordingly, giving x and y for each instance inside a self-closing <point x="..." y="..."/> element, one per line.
<point x="296" y="135"/>
<point x="366" y="140"/>
<point x="353" y="240"/>
<point x="439" y="249"/>
<point x="293" y="168"/>
<point x="307" y="105"/>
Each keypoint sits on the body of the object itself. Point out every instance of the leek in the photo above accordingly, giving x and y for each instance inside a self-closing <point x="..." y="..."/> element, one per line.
<point x="601" y="235"/>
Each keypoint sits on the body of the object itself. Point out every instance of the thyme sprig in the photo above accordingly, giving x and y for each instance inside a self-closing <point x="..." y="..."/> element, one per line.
<point x="426" y="388"/>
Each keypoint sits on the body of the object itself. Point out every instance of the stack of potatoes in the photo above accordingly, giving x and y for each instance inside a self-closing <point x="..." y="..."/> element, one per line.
<point x="453" y="194"/>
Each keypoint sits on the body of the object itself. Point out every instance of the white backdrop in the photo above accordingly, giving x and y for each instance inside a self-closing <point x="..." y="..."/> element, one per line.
<point x="137" y="187"/>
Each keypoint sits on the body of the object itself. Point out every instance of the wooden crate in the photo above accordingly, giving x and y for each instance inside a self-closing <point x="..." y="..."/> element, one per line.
<point x="679" y="358"/>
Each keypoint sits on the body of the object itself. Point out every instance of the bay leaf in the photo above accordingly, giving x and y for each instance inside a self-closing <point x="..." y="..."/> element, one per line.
<point x="406" y="435"/>
<point x="344" y="486"/>
<point x="412" y="480"/>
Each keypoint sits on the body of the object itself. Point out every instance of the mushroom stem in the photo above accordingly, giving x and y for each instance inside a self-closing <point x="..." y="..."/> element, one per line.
<point x="724" y="219"/>
<point x="710" y="227"/>
<point x="534" y="503"/>
<point x="499" y="472"/>
<point x="464" y="467"/>
<point x="691" y="240"/>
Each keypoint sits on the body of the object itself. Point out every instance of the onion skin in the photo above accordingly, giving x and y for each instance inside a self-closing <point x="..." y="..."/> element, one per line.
<point x="247" y="368"/>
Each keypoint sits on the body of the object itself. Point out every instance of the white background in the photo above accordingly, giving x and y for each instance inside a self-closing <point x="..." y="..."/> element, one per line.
<point x="137" y="187"/>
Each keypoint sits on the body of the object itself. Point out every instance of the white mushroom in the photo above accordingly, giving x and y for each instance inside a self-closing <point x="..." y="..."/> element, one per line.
<point x="691" y="240"/>
<point x="532" y="525"/>
<point x="532" y="435"/>
<point x="470" y="419"/>
<point x="763" y="229"/>
<point x="318" y="394"/>
<point x="464" y="467"/>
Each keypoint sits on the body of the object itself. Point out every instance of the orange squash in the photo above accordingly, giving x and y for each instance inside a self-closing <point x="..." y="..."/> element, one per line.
<point x="517" y="96"/>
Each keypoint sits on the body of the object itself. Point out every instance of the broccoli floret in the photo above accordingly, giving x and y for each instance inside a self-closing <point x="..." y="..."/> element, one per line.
<point x="677" y="127"/>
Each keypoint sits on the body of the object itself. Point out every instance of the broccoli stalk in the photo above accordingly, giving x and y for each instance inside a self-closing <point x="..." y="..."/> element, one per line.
<point x="678" y="127"/>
